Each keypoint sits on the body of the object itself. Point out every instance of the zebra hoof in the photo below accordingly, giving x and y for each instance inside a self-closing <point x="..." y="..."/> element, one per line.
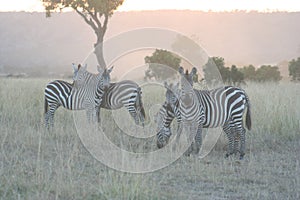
<point x="187" y="154"/>
<point x="242" y="156"/>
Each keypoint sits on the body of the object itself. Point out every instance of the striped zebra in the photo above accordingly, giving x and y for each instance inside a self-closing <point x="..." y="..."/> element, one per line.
<point x="164" y="119"/>
<point x="126" y="94"/>
<point x="191" y="111"/>
<point x="223" y="107"/>
<point x="166" y="114"/>
<point x="84" y="94"/>
<point x="116" y="95"/>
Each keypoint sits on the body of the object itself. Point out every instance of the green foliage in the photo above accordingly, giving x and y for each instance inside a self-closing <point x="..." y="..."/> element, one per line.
<point x="249" y="72"/>
<point x="214" y="65"/>
<point x="236" y="76"/>
<point x="91" y="7"/>
<point x="267" y="73"/>
<point x="229" y="75"/>
<point x="162" y="64"/>
<point x="294" y="69"/>
<point x="263" y="74"/>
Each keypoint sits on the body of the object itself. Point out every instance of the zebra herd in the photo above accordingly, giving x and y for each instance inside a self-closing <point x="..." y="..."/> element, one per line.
<point x="222" y="107"/>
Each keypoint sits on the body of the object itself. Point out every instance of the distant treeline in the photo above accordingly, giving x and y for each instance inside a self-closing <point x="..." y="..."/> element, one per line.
<point x="230" y="75"/>
<point x="264" y="73"/>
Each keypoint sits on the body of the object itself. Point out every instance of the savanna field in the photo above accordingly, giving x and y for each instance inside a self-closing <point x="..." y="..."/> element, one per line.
<point x="40" y="164"/>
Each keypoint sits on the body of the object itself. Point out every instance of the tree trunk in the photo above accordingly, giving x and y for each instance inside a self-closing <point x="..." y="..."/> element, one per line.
<point x="98" y="51"/>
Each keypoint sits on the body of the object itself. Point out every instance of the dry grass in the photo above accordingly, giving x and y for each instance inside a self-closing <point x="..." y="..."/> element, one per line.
<point x="37" y="164"/>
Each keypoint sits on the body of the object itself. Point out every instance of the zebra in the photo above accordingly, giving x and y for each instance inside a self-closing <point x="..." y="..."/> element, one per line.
<point x="191" y="111"/>
<point x="224" y="107"/>
<point x="128" y="94"/>
<point x="164" y="119"/>
<point x="85" y="93"/>
<point x="116" y="95"/>
<point x="166" y="114"/>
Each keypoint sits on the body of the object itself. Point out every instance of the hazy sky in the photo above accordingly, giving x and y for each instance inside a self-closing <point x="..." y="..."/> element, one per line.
<point x="214" y="5"/>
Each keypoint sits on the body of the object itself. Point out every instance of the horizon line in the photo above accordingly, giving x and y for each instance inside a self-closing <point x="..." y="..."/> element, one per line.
<point x="150" y="10"/>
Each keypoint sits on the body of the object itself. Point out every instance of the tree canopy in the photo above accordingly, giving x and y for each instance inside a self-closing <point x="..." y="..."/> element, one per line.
<point x="162" y="64"/>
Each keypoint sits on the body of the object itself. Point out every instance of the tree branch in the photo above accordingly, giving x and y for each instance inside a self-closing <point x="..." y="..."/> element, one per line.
<point x="104" y="27"/>
<point x="88" y="21"/>
<point x="94" y="17"/>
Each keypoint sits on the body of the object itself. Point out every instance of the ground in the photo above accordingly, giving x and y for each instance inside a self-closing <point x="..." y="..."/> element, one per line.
<point x="40" y="164"/>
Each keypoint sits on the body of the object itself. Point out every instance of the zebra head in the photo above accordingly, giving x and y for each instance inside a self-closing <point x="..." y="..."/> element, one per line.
<point x="163" y="119"/>
<point x="80" y="74"/>
<point x="187" y="91"/>
<point x="163" y="137"/>
<point x="106" y="76"/>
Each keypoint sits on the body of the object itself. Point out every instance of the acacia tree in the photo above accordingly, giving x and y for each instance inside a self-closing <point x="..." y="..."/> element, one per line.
<point x="94" y="12"/>
<point x="157" y="64"/>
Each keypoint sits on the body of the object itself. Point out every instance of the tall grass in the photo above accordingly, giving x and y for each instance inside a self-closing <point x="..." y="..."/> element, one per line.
<point x="38" y="164"/>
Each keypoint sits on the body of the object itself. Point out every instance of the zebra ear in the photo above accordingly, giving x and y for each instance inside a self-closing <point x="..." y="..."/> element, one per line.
<point x="194" y="71"/>
<point x="110" y="69"/>
<point x="181" y="70"/>
<point x="74" y="67"/>
<point x="166" y="84"/>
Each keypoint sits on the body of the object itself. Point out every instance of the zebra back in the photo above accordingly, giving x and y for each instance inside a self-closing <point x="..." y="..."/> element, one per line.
<point x="58" y="92"/>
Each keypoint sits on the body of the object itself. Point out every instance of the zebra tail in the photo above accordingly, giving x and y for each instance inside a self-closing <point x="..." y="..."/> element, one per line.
<point x="45" y="106"/>
<point x="139" y="105"/>
<point x="248" y="114"/>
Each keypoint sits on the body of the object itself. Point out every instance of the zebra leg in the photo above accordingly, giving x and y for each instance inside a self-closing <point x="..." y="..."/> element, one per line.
<point x="139" y="107"/>
<point x="243" y="143"/>
<point x="133" y="112"/>
<point x="236" y="136"/>
<point x="230" y="136"/>
<point x="189" y="150"/>
<point x="198" y="140"/>
<point x="141" y="115"/>
<point x="49" y="117"/>
<point x="179" y="131"/>
<point x="98" y="115"/>
<point x="90" y="114"/>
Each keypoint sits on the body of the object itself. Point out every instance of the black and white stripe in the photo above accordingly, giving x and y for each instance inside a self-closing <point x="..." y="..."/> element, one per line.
<point x="164" y="119"/>
<point x="166" y="114"/>
<point x="84" y="94"/>
<point x="126" y="94"/>
<point x="223" y="107"/>
<point x="114" y="96"/>
<point x="191" y="111"/>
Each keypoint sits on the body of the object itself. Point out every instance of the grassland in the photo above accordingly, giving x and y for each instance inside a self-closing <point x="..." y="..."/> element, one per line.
<point x="37" y="164"/>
